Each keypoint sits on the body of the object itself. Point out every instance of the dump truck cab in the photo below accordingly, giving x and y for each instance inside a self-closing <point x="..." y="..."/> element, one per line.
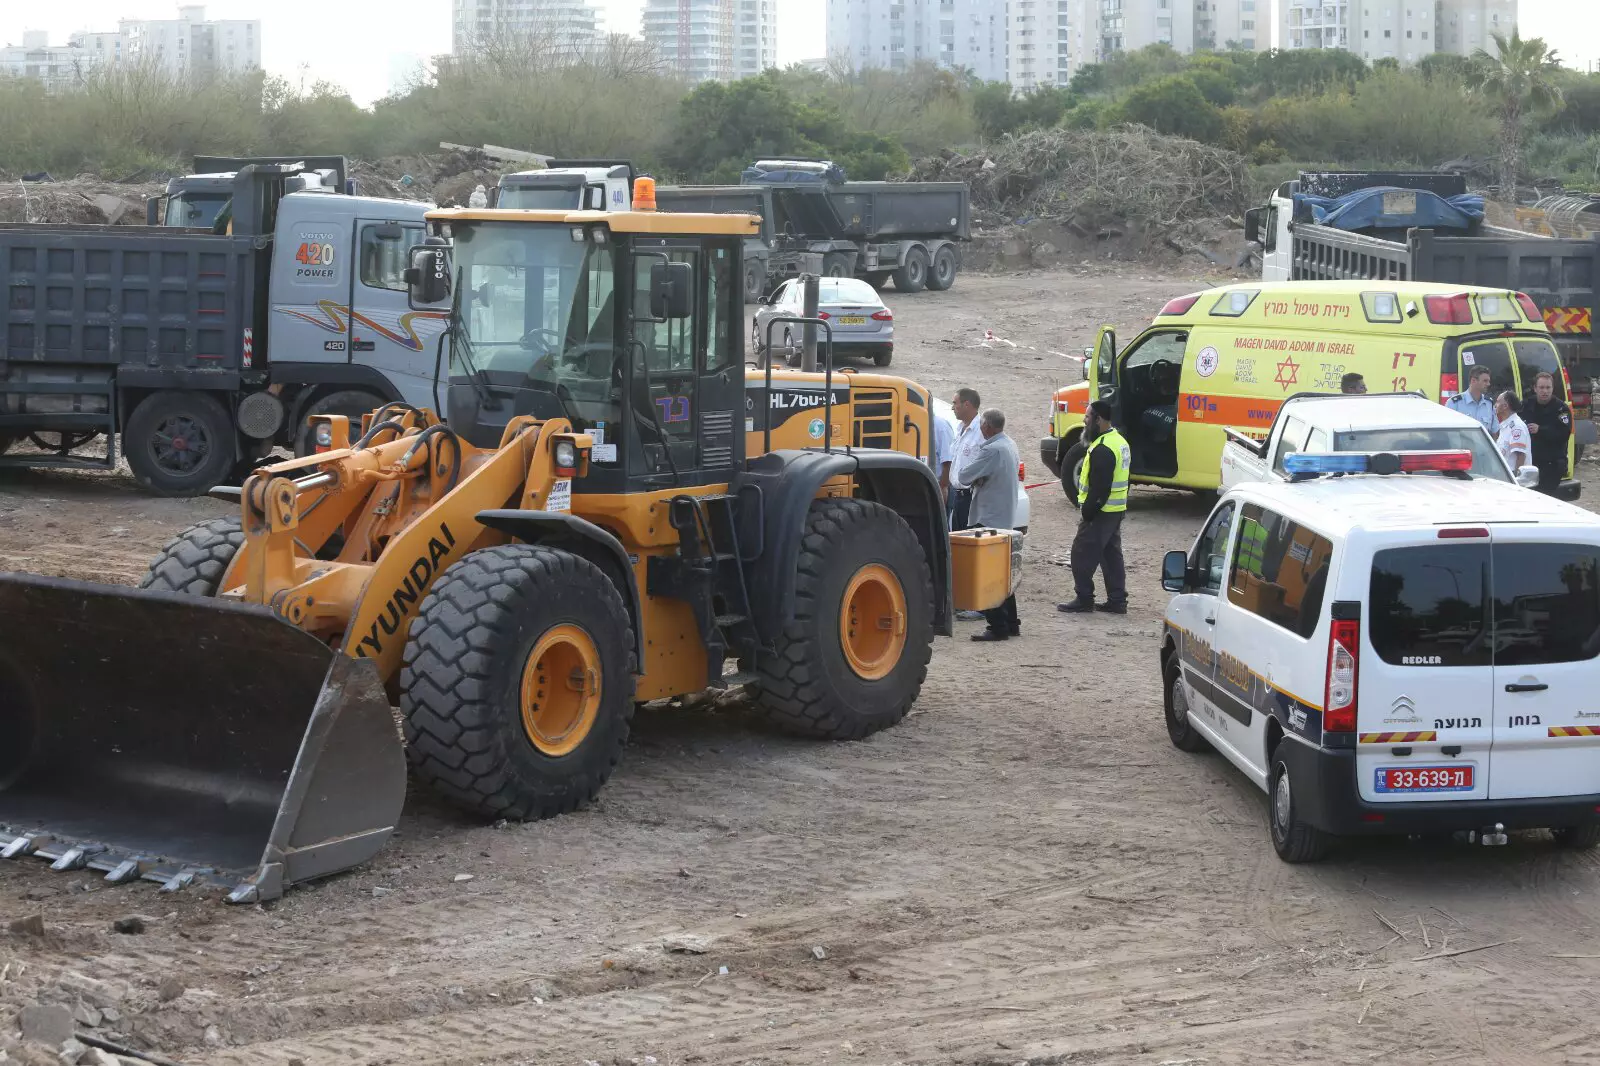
<point x="570" y="185"/>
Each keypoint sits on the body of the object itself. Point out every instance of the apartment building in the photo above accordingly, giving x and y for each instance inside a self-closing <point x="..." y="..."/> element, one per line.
<point x="1464" y="26"/>
<point x="1223" y="24"/>
<point x="190" y="45"/>
<point x="555" y="26"/>
<point x="894" y="34"/>
<point x="1039" y="43"/>
<point x="58" y="67"/>
<point x="713" y="40"/>
<point x="1102" y="28"/>
<point x="1402" y="30"/>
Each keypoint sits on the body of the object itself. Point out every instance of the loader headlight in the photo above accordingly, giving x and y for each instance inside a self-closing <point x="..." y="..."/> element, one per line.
<point x="566" y="456"/>
<point x="324" y="435"/>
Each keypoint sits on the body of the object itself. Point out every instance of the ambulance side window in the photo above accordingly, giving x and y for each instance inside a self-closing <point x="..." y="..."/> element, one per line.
<point x="1210" y="554"/>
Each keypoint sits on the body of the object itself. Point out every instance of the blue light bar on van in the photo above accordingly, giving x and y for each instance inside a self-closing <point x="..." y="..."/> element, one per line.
<point x="1312" y="463"/>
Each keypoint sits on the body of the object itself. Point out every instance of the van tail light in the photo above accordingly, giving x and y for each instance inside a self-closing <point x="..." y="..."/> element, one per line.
<point x="1578" y="399"/>
<point x="882" y="316"/>
<point x="1339" y="697"/>
<point x="1179" y="305"/>
<point x="1530" y="308"/>
<point x="1449" y="385"/>
<point x="1449" y="310"/>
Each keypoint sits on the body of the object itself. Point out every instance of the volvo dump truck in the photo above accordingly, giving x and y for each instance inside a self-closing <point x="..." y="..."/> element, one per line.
<point x="619" y="510"/>
<point x="194" y="200"/>
<point x="199" y="351"/>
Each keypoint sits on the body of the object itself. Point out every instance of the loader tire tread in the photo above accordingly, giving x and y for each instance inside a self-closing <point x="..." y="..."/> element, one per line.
<point x="194" y="561"/>
<point x="802" y="689"/>
<point x="460" y="736"/>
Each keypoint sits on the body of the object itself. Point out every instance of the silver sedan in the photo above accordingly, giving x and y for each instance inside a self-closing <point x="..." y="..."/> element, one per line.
<point x="862" y="325"/>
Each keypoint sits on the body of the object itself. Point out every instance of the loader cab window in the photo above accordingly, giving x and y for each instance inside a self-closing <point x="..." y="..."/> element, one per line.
<point x="663" y="401"/>
<point x="538" y="321"/>
<point x="720" y="312"/>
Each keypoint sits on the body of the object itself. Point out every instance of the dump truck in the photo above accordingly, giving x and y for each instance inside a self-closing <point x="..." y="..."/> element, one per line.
<point x="194" y="200"/>
<point x="811" y="223"/>
<point x="617" y="511"/>
<point x="200" y="351"/>
<point x="1560" y="274"/>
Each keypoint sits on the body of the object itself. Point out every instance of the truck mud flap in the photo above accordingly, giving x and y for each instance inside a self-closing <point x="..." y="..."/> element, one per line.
<point x="184" y="739"/>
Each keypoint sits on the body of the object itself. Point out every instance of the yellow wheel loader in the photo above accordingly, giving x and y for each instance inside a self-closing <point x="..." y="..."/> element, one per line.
<point x="616" y="510"/>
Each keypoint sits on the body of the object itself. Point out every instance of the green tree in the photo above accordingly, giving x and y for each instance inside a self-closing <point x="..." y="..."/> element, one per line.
<point x="722" y="127"/>
<point x="1175" y="105"/>
<point x="1521" y="80"/>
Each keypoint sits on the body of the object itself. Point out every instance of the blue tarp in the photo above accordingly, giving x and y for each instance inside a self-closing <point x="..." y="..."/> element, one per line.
<point x="1388" y="207"/>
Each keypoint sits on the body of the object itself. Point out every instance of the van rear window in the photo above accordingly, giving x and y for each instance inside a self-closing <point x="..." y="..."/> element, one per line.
<point x="1431" y="605"/>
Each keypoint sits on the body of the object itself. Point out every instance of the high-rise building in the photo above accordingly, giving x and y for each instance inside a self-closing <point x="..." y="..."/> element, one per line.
<point x="555" y="27"/>
<point x="1223" y="24"/>
<point x="895" y="34"/>
<point x="1039" y="46"/>
<point x="1102" y="28"/>
<point x="190" y="46"/>
<point x="713" y="40"/>
<point x="1464" y="26"/>
<point x="58" y="67"/>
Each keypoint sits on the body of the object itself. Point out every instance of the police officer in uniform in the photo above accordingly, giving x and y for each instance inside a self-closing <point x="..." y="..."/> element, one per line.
<point x="1102" y="501"/>
<point x="1549" y="420"/>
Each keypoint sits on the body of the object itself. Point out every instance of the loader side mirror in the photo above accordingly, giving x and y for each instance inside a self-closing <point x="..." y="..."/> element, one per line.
<point x="428" y="276"/>
<point x="671" y="291"/>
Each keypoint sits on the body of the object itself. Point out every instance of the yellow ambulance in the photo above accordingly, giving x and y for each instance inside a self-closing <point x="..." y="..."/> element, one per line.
<point x="1228" y="357"/>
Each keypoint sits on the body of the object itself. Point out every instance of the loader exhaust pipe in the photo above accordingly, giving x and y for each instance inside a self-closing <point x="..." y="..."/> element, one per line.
<point x="181" y="739"/>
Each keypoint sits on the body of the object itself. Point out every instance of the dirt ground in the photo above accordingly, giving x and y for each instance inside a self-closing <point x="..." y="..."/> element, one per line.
<point x="1024" y="871"/>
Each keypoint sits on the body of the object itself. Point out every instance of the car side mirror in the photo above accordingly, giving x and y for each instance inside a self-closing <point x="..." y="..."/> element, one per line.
<point x="671" y="291"/>
<point x="428" y="276"/>
<point x="1528" y="477"/>
<point x="1175" y="571"/>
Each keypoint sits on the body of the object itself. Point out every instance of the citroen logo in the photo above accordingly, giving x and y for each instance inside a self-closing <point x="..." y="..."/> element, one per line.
<point x="1403" y="705"/>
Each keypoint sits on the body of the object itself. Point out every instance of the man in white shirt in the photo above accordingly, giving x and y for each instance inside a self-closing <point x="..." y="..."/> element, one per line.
<point x="944" y="443"/>
<point x="969" y="438"/>
<point x="1513" y="440"/>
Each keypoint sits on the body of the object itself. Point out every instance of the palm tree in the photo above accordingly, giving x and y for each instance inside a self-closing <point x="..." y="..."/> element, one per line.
<point x="1520" y="80"/>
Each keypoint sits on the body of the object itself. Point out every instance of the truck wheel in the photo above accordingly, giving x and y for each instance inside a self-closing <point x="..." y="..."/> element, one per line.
<point x="179" y="443"/>
<point x="352" y="403"/>
<point x="194" y="561"/>
<point x="1070" y="462"/>
<point x="1180" y="731"/>
<point x="945" y="265"/>
<point x="1578" y="837"/>
<point x="517" y="688"/>
<point x="913" y="273"/>
<point x="1294" y="840"/>
<point x="853" y="658"/>
<point x="878" y="279"/>
<point x="755" y="280"/>
<point x="836" y="265"/>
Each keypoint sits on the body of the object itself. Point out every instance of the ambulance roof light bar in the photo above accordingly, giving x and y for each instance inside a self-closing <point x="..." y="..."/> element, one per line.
<point x="1302" y="465"/>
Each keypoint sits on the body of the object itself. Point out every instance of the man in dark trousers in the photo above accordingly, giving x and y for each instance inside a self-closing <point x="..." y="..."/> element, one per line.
<point x="1102" y="501"/>
<point x="991" y="473"/>
<point x="1550" y="422"/>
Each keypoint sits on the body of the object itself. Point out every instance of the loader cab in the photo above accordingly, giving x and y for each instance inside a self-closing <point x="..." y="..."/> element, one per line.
<point x="626" y="323"/>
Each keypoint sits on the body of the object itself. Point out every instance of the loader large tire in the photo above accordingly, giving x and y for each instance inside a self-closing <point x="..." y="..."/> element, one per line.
<point x="194" y="561"/>
<point x="517" y="687"/>
<point x="853" y="659"/>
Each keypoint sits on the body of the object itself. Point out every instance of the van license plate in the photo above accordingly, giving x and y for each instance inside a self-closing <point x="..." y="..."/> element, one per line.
<point x="1424" y="779"/>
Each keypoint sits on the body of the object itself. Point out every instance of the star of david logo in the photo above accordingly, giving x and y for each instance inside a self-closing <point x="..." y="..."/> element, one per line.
<point x="1288" y="373"/>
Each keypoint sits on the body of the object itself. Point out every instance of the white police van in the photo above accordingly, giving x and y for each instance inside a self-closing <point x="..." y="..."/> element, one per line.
<point x="1387" y="647"/>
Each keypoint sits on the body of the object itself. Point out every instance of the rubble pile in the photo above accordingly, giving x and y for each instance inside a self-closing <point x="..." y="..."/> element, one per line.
<point x="1127" y="176"/>
<point x="83" y="200"/>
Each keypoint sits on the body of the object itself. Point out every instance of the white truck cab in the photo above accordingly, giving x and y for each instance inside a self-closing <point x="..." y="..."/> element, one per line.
<point x="1387" y="653"/>
<point x="570" y="185"/>
<point x="1362" y="423"/>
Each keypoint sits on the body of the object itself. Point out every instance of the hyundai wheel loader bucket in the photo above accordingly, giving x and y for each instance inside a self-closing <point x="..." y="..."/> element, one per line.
<point x="179" y="738"/>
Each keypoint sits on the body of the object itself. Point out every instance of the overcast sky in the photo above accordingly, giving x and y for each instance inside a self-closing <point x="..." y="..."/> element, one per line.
<point x="342" y="41"/>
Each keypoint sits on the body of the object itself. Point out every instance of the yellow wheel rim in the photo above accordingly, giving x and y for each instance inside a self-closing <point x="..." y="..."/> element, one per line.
<point x="872" y="621"/>
<point x="560" y="690"/>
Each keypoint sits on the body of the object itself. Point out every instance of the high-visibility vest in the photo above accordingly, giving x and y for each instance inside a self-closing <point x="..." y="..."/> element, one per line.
<point x="1118" y="500"/>
<point x="1252" y="546"/>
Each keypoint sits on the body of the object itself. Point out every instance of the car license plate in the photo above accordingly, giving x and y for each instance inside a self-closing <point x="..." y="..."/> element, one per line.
<point x="852" y="320"/>
<point x="1424" y="779"/>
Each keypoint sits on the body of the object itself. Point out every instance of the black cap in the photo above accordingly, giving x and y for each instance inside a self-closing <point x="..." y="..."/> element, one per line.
<point x="1102" y="410"/>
